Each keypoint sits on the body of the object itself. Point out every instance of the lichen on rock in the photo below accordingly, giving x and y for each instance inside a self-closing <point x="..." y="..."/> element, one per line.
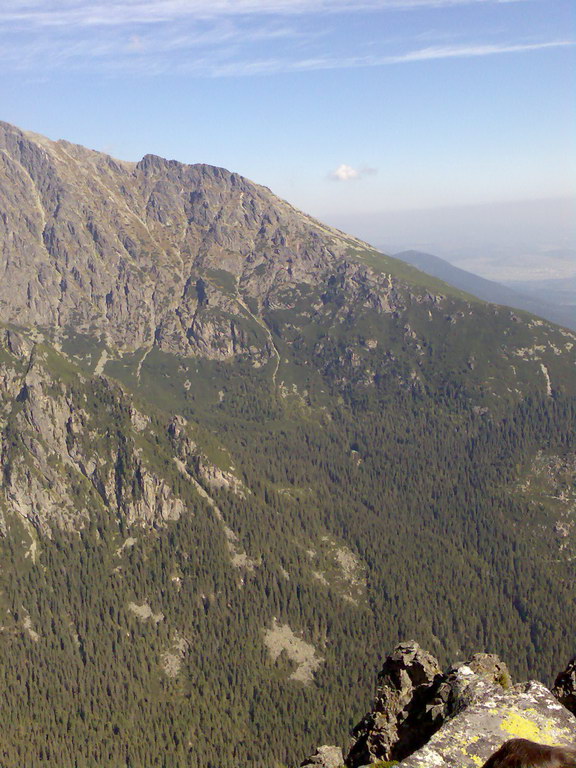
<point x="324" y="757"/>
<point x="428" y="719"/>
<point x="492" y="716"/>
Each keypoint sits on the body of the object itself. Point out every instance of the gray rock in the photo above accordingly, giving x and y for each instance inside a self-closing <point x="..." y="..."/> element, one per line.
<point x="491" y="716"/>
<point x="458" y="685"/>
<point x="428" y="719"/>
<point x="565" y="686"/>
<point x="415" y="698"/>
<point x="399" y="721"/>
<point x="325" y="757"/>
<point x="157" y="253"/>
<point x="66" y="460"/>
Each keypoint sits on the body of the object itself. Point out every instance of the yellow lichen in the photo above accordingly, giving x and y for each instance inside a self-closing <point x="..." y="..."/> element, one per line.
<point x="523" y="727"/>
<point x="466" y="741"/>
<point x="517" y="725"/>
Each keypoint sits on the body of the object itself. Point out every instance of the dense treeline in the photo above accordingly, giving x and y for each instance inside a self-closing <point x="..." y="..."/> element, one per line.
<point x="419" y="485"/>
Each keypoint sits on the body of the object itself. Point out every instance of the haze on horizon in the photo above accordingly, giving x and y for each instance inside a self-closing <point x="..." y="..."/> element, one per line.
<point x="440" y="125"/>
<point x="525" y="240"/>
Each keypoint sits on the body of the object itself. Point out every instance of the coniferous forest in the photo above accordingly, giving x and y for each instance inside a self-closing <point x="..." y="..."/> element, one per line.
<point x="424" y="491"/>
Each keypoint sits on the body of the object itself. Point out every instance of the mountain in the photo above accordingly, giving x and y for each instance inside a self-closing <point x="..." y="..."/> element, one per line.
<point x="530" y="296"/>
<point x="560" y="292"/>
<point x="239" y="451"/>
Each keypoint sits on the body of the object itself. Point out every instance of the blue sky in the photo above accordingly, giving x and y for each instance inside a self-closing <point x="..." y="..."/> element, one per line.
<point x="343" y="107"/>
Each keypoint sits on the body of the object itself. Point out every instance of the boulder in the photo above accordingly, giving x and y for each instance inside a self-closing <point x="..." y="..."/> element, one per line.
<point x="488" y="715"/>
<point x="424" y="718"/>
<point x="325" y="757"/>
<point x="399" y="721"/>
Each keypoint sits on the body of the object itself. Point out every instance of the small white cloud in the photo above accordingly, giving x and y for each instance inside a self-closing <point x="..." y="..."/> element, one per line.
<point x="347" y="173"/>
<point x="344" y="173"/>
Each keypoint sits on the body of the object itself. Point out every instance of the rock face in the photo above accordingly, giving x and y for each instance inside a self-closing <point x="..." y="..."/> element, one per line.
<point x="61" y="459"/>
<point x="428" y="719"/>
<point x="400" y="721"/>
<point x="149" y="253"/>
<point x="325" y="757"/>
<point x="565" y="686"/>
<point x="490" y="717"/>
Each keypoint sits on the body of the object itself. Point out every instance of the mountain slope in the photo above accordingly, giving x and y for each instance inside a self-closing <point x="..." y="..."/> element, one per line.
<point x="556" y="291"/>
<point x="239" y="451"/>
<point x="117" y="249"/>
<point x="488" y="290"/>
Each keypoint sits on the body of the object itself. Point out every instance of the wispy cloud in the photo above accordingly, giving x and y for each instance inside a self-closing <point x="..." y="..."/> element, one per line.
<point x="220" y="38"/>
<point x="346" y="172"/>
<point x="199" y="49"/>
<point x="466" y="51"/>
<point x="277" y="66"/>
<point x="225" y="50"/>
<point x="81" y="13"/>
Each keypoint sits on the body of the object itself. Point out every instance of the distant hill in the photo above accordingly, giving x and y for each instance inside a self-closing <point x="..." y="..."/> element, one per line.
<point x="559" y="292"/>
<point x="488" y="290"/>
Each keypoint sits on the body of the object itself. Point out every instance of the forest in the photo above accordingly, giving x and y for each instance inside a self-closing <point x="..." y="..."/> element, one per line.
<point x="124" y="645"/>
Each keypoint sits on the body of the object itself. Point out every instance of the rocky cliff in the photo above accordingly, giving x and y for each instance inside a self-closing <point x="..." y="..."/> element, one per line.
<point x="197" y="261"/>
<point x="565" y="687"/>
<point x="425" y="718"/>
<point x="73" y="446"/>
<point x="154" y="252"/>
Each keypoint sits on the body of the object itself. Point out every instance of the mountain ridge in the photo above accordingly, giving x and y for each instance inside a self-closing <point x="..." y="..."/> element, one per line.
<point x="487" y="290"/>
<point x="137" y="226"/>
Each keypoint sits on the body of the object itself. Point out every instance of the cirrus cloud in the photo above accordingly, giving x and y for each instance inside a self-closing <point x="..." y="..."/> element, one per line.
<point x="227" y="38"/>
<point x="85" y="13"/>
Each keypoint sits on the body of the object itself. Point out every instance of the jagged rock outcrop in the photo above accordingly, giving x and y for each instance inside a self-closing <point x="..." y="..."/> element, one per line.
<point x="565" y="686"/>
<point x="396" y="724"/>
<point x="324" y="757"/>
<point x="428" y="719"/>
<point x="71" y="445"/>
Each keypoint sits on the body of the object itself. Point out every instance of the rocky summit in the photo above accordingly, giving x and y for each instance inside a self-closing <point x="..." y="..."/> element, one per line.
<point x="240" y="450"/>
